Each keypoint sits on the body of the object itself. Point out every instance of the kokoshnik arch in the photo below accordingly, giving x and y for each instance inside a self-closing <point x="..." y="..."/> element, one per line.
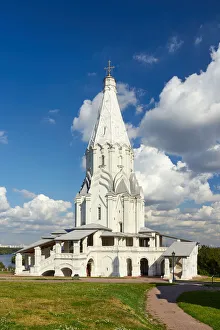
<point x="109" y="237"/>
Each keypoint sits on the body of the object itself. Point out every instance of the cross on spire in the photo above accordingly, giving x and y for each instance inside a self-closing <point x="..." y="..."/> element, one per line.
<point x="109" y="69"/>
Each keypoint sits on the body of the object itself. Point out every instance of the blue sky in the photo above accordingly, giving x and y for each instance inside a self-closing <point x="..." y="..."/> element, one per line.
<point x="52" y="55"/>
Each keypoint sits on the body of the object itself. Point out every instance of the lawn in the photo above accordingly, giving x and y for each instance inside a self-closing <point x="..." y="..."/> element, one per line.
<point x="73" y="306"/>
<point x="202" y="305"/>
<point x="206" y="279"/>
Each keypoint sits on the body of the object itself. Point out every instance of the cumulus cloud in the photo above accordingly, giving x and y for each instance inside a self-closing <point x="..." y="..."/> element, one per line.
<point x="201" y="224"/>
<point x="168" y="184"/>
<point x="41" y="213"/>
<point x="131" y="130"/>
<point x="174" y="44"/>
<point x="186" y="120"/>
<point x="3" y="137"/>
<point x="83" y="162"/>
<point x="88" y="112"/>
<point x="198" y="40"/>
<point x="145" y="58"/>
<point x="25" y="193"/>
<point x="139" y="109"/>
<point x="4" y="205"/>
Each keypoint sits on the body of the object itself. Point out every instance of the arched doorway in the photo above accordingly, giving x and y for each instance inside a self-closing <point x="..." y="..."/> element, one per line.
<point x="162" y="268"/>
<point x="144" y="267"/>
<point x="48" y="273"/>
<point x="129" y="267"/>
<point x="67" y="272"/>
<point x="90" y="267"/>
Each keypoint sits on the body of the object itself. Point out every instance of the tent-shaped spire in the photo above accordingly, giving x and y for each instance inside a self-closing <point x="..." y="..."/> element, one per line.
<point x="110" y="127"/>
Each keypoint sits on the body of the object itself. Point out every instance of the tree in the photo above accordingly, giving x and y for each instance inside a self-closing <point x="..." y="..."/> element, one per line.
<point x="13" y="260"/>
<point x="2" y="266"/>
<point x="209" y="260"/>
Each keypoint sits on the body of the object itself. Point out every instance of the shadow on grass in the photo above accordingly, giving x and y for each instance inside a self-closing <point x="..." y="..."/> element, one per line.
<point x="201" y="298"/>
<point x="170" y="292"/>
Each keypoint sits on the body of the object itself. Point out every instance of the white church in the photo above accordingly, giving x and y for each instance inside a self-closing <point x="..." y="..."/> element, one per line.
<point x="109" y="237"/>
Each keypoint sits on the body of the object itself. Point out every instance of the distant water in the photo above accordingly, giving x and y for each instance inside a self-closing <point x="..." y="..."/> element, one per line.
<point x="6" y="259"/>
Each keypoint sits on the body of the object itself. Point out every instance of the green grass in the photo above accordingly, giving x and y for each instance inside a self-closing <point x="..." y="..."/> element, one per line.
<point x="74" y="306"/>
<point x="202" y="305"/>
<point x="206" y="279"/>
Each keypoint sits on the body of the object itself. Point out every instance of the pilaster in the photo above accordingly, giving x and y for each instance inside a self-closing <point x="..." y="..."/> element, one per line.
<point x="58" y="248"/>
<point x="88" y="209"/>
<point x="77" y="210"/>
<point x="166" y="268"/>
<point x="18" y="264"/>
<point x="76" y="247"/>
<point x="110" y="198"/>
<point x="126" y="214"/>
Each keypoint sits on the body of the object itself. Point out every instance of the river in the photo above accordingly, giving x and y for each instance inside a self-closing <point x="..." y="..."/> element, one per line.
<point x="6" y="259"/>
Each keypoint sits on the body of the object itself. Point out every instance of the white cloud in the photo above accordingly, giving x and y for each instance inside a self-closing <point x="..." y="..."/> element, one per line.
<point x="139" y="109"/>
<point x="53" y="111"/>
<point x="25" y="193"/>
<point x="168" y="184"/>
<point x="201" y="225"/>
<point x="4" y="205"/>
<point x="198" y="40"/>
<point x="174" y="44"/>
<point x="41" y="213"/>
<point x="87" y="116"/>
<point x="186" y="120"/>
<point x="50" y="120"/>
<point x="126" y="96"/>
<point x="3" y="137"/>
<point x="145" y="58"/>
<point x="131" y="130"/>
<point x="83" y="163"/>
<point x="92" y="74"/>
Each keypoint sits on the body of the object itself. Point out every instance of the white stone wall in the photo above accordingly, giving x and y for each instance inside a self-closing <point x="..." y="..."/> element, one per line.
<point x="110" y="181"/>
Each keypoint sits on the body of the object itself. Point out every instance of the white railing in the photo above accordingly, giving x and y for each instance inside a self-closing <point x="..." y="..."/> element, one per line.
<point x="126" y="248"/>
<point x="47" y="261"/>
<point x="64" y="255"/>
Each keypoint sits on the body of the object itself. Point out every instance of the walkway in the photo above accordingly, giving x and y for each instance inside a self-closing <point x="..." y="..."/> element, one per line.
<point x="50" y="279"/>
<point x="161" y="304"/>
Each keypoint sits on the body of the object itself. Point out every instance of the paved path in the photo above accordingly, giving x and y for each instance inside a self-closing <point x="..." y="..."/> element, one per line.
<point x="13" y="278"/>
<point x="161" y="304"/>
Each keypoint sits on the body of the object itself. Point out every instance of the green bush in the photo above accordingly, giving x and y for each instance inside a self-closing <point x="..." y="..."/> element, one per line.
<point x="209" y="260"/>
<point x="2" y="266"/>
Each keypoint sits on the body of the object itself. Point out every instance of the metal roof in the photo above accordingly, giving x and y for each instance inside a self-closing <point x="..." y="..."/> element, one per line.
<point x="59" y="232"/>
<point x="92" y="226"/>
<point x="181" y="249"/>
<point x="147" y="230"/>
<point x="48" y="236"/>
<point x="75" y="235"/>
<point x="119" y="234"/>
<point x="110" y="234"/>
<point x="33" y="245"/>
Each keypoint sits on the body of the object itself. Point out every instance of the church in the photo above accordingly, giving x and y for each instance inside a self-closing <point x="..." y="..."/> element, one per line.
<point x="109" y="237"/>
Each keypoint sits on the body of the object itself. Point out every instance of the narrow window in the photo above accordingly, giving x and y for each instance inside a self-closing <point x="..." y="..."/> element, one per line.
<point x="103" y="160"/>
<point x="81" y="246"/>
<point x="90" y="240"/>
<point x="99" y="213"/>
<point x="121" y="229"/>
<point x="129" y="241"/>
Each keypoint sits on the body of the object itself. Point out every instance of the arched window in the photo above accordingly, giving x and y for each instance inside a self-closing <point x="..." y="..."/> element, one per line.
<point x="99" y="213"/>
